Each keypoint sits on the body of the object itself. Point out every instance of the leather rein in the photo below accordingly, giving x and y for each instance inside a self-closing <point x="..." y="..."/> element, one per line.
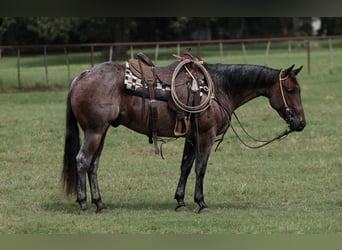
<point x="264" y="142"/>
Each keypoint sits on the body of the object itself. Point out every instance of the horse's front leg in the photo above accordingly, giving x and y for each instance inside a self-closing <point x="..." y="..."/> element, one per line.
<point x="187" y="162"/>
<point x="200" y="168"/>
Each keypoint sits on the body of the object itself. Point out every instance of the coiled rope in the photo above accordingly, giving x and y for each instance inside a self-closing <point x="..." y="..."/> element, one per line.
<point x="210" y="95"/>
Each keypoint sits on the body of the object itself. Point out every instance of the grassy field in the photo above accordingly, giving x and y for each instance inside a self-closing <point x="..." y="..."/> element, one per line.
<point x="291" y="187"/>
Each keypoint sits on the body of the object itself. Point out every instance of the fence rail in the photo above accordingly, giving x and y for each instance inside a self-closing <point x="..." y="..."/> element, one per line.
<point x="90" y="47"/>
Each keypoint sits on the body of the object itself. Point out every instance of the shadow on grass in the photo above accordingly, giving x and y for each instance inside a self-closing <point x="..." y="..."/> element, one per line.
<point x="339" y="203"/>
<point x="62" y="207"/>
<point x="73" y="208"/>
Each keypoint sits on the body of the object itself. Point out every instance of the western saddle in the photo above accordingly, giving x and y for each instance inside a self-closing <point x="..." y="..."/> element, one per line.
<point x="143" y="68"/>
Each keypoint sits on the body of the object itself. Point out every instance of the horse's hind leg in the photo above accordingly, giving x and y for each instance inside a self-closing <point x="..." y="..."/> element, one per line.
<point x="93" y="182"/>
<point x="85" y="159"/>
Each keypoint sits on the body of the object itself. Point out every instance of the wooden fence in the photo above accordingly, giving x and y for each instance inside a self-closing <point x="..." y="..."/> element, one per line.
<point x="306" y="40"/>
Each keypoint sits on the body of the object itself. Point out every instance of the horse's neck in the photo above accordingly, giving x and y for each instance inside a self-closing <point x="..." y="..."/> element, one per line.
<point x="247" y="82"/>
<point x="243" y="97"/>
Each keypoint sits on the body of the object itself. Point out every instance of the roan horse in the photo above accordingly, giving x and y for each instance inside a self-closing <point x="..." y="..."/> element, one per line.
<point x="97" y="100"/>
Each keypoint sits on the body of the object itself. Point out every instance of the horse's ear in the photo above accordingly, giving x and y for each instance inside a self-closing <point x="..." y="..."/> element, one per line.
<point x="287" y="71"/>
<point x="296" y="71"/>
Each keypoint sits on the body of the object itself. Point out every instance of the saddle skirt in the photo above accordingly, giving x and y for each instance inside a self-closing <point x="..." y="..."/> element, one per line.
<point x="136" y="86"/>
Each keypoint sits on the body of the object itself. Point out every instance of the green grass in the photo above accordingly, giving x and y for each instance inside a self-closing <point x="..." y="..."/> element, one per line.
<point x="291" y="187"/>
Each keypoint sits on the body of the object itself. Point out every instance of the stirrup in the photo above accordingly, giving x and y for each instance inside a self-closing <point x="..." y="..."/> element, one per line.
<point x="181" y="127"/>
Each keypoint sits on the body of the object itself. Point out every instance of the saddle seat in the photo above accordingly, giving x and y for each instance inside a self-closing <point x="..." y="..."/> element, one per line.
<point x="144" y="68"/>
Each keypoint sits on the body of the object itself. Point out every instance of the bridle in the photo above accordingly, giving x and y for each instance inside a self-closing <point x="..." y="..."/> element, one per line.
<point x="287" y="108"/>
<point x="264" y="142"/>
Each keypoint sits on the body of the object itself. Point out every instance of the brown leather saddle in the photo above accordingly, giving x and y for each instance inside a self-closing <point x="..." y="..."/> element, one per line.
<point x="143" y="68"/>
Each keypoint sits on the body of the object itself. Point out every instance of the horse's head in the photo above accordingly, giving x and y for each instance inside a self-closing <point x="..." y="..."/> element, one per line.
<point x="285" y="98"/>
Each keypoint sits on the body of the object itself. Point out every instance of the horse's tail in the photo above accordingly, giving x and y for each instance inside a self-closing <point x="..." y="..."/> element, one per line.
<point x="71" y="148"/>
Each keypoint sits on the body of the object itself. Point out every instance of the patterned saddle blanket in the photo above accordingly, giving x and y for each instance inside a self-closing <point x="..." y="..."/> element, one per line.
<point x="135" y="86"/>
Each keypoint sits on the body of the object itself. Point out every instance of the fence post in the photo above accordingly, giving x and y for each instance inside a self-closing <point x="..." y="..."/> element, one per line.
<point x="199" y="50"/>
<point x="46" y="67"/>
<point x="331" y="51"/>
<point x="157" y="52"/>
<point x="308" y="45"/>
<point x="92" y="55"/>
<point x="18" y="68"/>
<point x="67" y="63"/>
<point x="111" y="53"/>
<point x="267" y="51"/>
<point x="132" y="53"/>
<point x="178" y="49"/>
<point x="289" y="50"/>
<point x="221" y="51"/>
<point x="244" y="52"/>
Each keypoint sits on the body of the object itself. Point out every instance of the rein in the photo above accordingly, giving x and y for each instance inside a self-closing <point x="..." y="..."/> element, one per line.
<point x="264" y="142"/>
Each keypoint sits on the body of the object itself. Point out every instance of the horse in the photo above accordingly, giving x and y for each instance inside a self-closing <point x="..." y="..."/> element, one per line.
<point x="97" y="100"/>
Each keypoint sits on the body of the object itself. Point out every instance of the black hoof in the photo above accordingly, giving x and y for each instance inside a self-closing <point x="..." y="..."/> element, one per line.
<point x="203" y="210"/>
<point x="102" y="210"/>
<point x="83" y="207"/>
<point x="100" y="207"/>
<point x="181" y="208"/>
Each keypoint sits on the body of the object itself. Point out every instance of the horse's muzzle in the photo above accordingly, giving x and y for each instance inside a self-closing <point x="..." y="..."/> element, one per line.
<point x="295" y="122"/>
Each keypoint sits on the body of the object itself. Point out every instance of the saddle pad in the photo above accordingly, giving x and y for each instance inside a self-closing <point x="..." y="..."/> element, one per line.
<point x="135" y="86"/>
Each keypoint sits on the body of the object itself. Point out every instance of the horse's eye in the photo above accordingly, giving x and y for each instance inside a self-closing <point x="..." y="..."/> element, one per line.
<point x="289" y="90"/>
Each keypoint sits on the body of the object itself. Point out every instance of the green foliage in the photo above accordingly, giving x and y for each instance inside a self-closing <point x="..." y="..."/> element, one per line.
<point x="43" y="30"/>
<point x="6" y="22"/>
<point x="53" y="29"/>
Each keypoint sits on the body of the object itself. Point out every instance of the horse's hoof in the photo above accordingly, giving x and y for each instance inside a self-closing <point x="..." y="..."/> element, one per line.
<point x="203" y="210"/>
<point x="181" y="208"/>
<point x="102" y="210"/>
<point x="100" y="207"/>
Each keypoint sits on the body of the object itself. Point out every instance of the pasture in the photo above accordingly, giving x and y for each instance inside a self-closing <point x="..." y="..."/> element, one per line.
<point x="293" y="186"/>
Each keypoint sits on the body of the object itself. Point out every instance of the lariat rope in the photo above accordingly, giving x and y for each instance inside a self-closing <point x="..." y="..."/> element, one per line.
<point x="207" y="101"/>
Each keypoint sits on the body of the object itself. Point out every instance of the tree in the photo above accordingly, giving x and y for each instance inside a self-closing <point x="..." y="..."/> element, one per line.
<point x="53" y="30"/>
<point x="331" y="26"/>
<point x="5" y="23"/>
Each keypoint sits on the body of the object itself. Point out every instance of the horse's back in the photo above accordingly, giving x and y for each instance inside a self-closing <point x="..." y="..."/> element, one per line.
<point x="100" y="77"/>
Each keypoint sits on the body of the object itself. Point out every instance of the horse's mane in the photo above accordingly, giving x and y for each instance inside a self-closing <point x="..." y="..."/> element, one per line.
<point x="241" y="76"/>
